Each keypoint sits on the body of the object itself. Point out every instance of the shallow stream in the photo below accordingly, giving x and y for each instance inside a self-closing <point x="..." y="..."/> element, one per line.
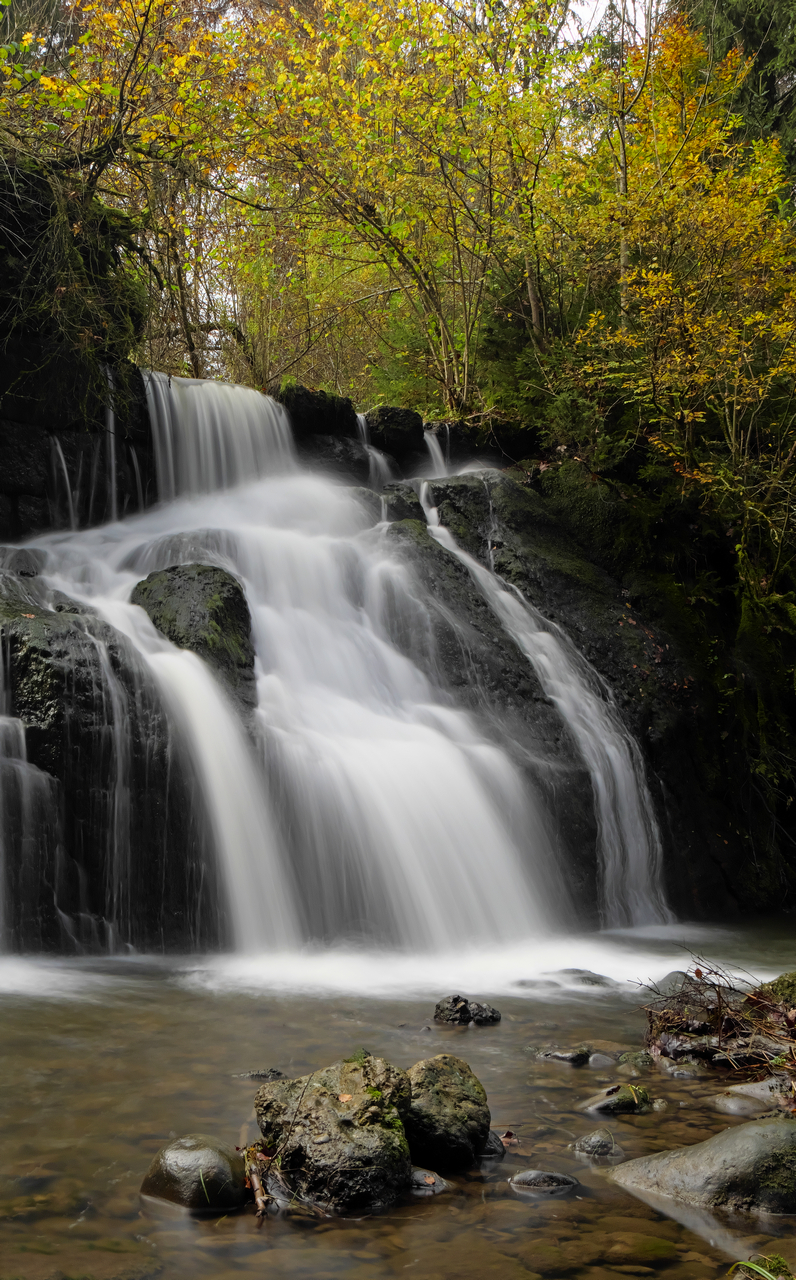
<point x="101" y="1061"/>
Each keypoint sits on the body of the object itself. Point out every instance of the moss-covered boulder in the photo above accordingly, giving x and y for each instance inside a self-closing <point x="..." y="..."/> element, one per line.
<point x="339" y="1133"/>
<point x="749" y="1168"/>
<point x="781" y="991"/>
<point x="448" y="1121"/>
<point x="202" y="608"/>
<point x="197" y="1173"/>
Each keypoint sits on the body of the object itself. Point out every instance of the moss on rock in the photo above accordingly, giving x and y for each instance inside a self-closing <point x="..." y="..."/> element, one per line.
<point x="202" y="608"/>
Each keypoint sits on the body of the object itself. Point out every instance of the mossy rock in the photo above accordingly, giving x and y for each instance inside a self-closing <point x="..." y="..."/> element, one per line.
<point x="202" y="608"/>
<point x="339" y="1132"/>
<point x="781" y="991"/>
<point x="448" y="1121"/>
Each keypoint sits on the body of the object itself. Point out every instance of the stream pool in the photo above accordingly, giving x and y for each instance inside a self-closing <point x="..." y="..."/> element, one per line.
<point x="101" y="1061"/>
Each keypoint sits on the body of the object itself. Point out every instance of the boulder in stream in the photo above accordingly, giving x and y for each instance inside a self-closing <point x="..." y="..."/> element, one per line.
<point x="339" y="1133"/>
<point x="448" y="1121"/>
<point x="457" y="1009"/>
<point x="598" y="1147"/>
<point x="197" y="1173"/>
<point x="202" y="607"/>
<point x="747" y="1168"/>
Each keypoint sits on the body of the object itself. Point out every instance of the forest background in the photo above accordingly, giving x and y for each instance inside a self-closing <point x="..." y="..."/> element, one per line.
<point x="577" y="244"/>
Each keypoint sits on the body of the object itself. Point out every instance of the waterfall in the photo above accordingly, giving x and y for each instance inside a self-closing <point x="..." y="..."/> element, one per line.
<point x="360" y="803"/>
<point x="630" y="851"/>
<point x="439" y="466"/>
<point x="380" y="472"/>
<point x="211" y="435"/>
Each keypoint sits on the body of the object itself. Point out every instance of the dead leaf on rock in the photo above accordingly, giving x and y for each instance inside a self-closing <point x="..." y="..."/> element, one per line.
<point x="344" y="1097"/>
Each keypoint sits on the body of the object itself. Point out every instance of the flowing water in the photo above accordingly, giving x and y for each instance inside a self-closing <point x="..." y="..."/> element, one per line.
<point x="366" y="804"/>
<point x="102" y="1061"/>
<point x="377" y="850"/>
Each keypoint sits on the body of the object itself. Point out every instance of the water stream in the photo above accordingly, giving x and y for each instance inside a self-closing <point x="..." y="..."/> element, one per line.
<point x="363" y="805"/>
<point x="377" y="849"/>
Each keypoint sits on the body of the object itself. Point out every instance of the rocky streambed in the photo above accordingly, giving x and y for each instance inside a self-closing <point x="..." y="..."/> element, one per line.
<point x="105" y="1064"/>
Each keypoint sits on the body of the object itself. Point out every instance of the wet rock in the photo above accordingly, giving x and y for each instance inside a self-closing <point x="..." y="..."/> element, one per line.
<point x="597" y="1146"/>
<point x="754" y="1098"/>
<point x="267" y="1073"/>
<point x="447" y="1123"/>
<point x="202" y="608"/>
<point x="341" y="457"/>
<point x="198" y="1173"/>
<point x="401" y="502"/>
<point x="426" y="1183"/>
<point x="457" y="1009"/>
<point x="339" y="1132"/>
<point x="495" y="1148"/>
<point x="585" y="978"/>
<point x="541" y="1184"/>
<point x="750" y="1167"/>
<point x="398" y="432"/>
<point x="318" y="413"/>
<point x="640" y="1059"/>
<point x="577" y="1057"/>
<point x="620" y="1099"/>
<point x="27" y="562"/>
<point x="135" y="858"/>
<point x="600" y="1062"/>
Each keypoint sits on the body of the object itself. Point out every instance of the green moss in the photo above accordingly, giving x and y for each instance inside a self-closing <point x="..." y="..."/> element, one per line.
<point x="782" y="990"/>
<point x="360" y="1057"/>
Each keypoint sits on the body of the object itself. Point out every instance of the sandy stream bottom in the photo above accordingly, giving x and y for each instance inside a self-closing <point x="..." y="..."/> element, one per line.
<point x="102" y="1061"/>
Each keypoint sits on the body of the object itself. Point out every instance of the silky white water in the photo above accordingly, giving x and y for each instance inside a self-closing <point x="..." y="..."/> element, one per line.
<point x="362" y="806"/>
<point x="631" y="856"/>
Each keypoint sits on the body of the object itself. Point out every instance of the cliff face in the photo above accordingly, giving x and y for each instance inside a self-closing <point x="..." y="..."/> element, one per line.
<point x="64" y="460"/>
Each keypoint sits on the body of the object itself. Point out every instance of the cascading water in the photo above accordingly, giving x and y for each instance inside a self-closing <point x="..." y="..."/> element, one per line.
<point x="439" y="466"/>
<point x="361" y="804"/>
<point x="380" y="471"/>
<point x="630" y="849"/>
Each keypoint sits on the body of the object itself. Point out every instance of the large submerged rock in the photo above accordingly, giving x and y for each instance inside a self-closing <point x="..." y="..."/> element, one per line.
<point x="202" y="608"/>
<point x="751" y="1167"/>
<point x="197" y="1173"/>
<point x="448" y="1121"/>
<point x="339" y="1132"/>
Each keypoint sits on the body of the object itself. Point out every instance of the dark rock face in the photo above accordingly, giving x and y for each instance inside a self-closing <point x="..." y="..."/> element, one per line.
<point x="198" y="1173"/>
<point x="116" y="854"/>
<point x="339" y="1133"/>
<point x="202" y="608"/>
<point x="402" y="503"/>
<point x="398" y="432"/>
<point x="447" y="1124"/>
<point x="341" y="457"/>
<point x="56" y="455"/>
<point x="751" y="1167"/>
<point x="456" y="1009"/>
<point x="318" y="413"/>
